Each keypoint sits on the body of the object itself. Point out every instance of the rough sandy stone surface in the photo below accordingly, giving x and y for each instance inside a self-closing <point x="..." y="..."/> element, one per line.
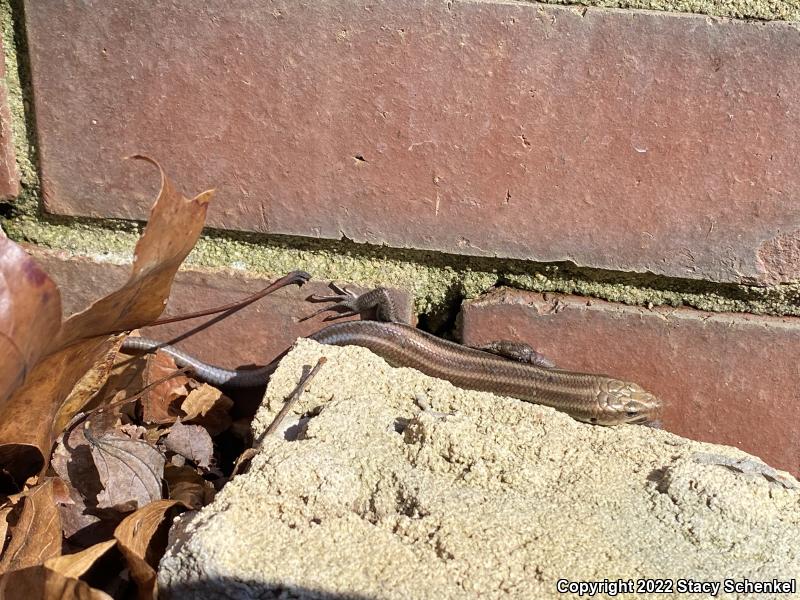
<point x="472" y="496"/>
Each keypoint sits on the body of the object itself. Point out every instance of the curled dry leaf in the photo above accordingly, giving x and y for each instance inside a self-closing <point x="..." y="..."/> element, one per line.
<point x="75" y="565"/>
<point x="123" y="381"/>
<point x="30" y="315"/>
<point x="41" y="583"/>
<point x="191" y="442"/>
<point x="130" y="471"/>
<point x="127" y="375"/>
<point x="135" y="432"/>
<point x="202" y="400"/>
<point x="35" y="412"/>
<point x="244" y="460"/>
<point x="142" y="539"/>
<point x="128" y="386"/>
<point x="207" y="406"/>
<point x="187" y="486"/>
<point x="172" y="230"/>
<point x="26" y="421"/>
<point x="4" y="512"/>
<point x="160" y="403"/>
<point x="36" y="534"/>
<point x="92" y="381"/>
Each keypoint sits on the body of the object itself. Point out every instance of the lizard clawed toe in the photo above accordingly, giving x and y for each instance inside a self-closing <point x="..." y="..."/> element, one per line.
<point x="346" y="303"/>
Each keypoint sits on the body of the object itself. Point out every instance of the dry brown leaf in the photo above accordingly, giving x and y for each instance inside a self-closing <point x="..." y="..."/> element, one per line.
<point x="142" y="539"/>
<point x="202" y="400"/>
<point x="209" y="407"/>
<point x="82" y="521"/>
<point x="186" y="485"/>
<point x="75" y="565"/>
<point x="124" y="376"/>
<point x="30" y="315"/>
<point x="173" y="229"/>
<point x="92" y="381"/>
<point x="36" y="535"/>
<point x="83" y="524"/>
<point x="61" y="492"/>
<point x="4" y="512"/>
<point x="31" y="418"/>
<point x="135" y="432"/>
<point x="160" y="403"/>
<point x="41" y="583"/>
<point x="244" y="460"/>
<point x="191" y="442"/>
<point x="130" y="471"/>
<point x="26" y="421"/>
<point x="153" y="434"/>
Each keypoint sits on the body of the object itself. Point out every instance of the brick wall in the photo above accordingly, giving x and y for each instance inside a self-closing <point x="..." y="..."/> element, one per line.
<point x="637" y="166"/>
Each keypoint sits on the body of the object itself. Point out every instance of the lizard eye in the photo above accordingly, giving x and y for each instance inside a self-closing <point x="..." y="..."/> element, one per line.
<point x="631" y="409"/>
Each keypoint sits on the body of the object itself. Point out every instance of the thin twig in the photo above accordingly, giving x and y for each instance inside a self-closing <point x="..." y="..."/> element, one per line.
<point x="295" y="395"/>
<point x="305" y="379"/>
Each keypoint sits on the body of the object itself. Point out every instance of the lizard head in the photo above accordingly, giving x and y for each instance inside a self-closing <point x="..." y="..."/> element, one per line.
<point x="625" y="402"/>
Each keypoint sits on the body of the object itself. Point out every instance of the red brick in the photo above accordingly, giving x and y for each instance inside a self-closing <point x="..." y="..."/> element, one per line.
<point x="9" y="174"/>
<point x="724" y="378"/>
<point x="637" y="141"/>
<point x="254" y="335"/>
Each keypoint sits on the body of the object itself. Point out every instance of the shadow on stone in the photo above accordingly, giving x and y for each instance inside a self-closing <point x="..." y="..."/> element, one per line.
<point x="225" y="588"/>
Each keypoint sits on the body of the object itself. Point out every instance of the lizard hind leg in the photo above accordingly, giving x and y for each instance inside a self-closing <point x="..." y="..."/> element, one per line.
<point x="378" y="301"/>
<point x="519" y="351"/>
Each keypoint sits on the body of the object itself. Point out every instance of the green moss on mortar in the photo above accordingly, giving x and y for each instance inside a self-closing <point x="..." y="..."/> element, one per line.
<point x="19" y="94"/>
<point x="438" y="281"/>
<point x="767" y="10"/>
